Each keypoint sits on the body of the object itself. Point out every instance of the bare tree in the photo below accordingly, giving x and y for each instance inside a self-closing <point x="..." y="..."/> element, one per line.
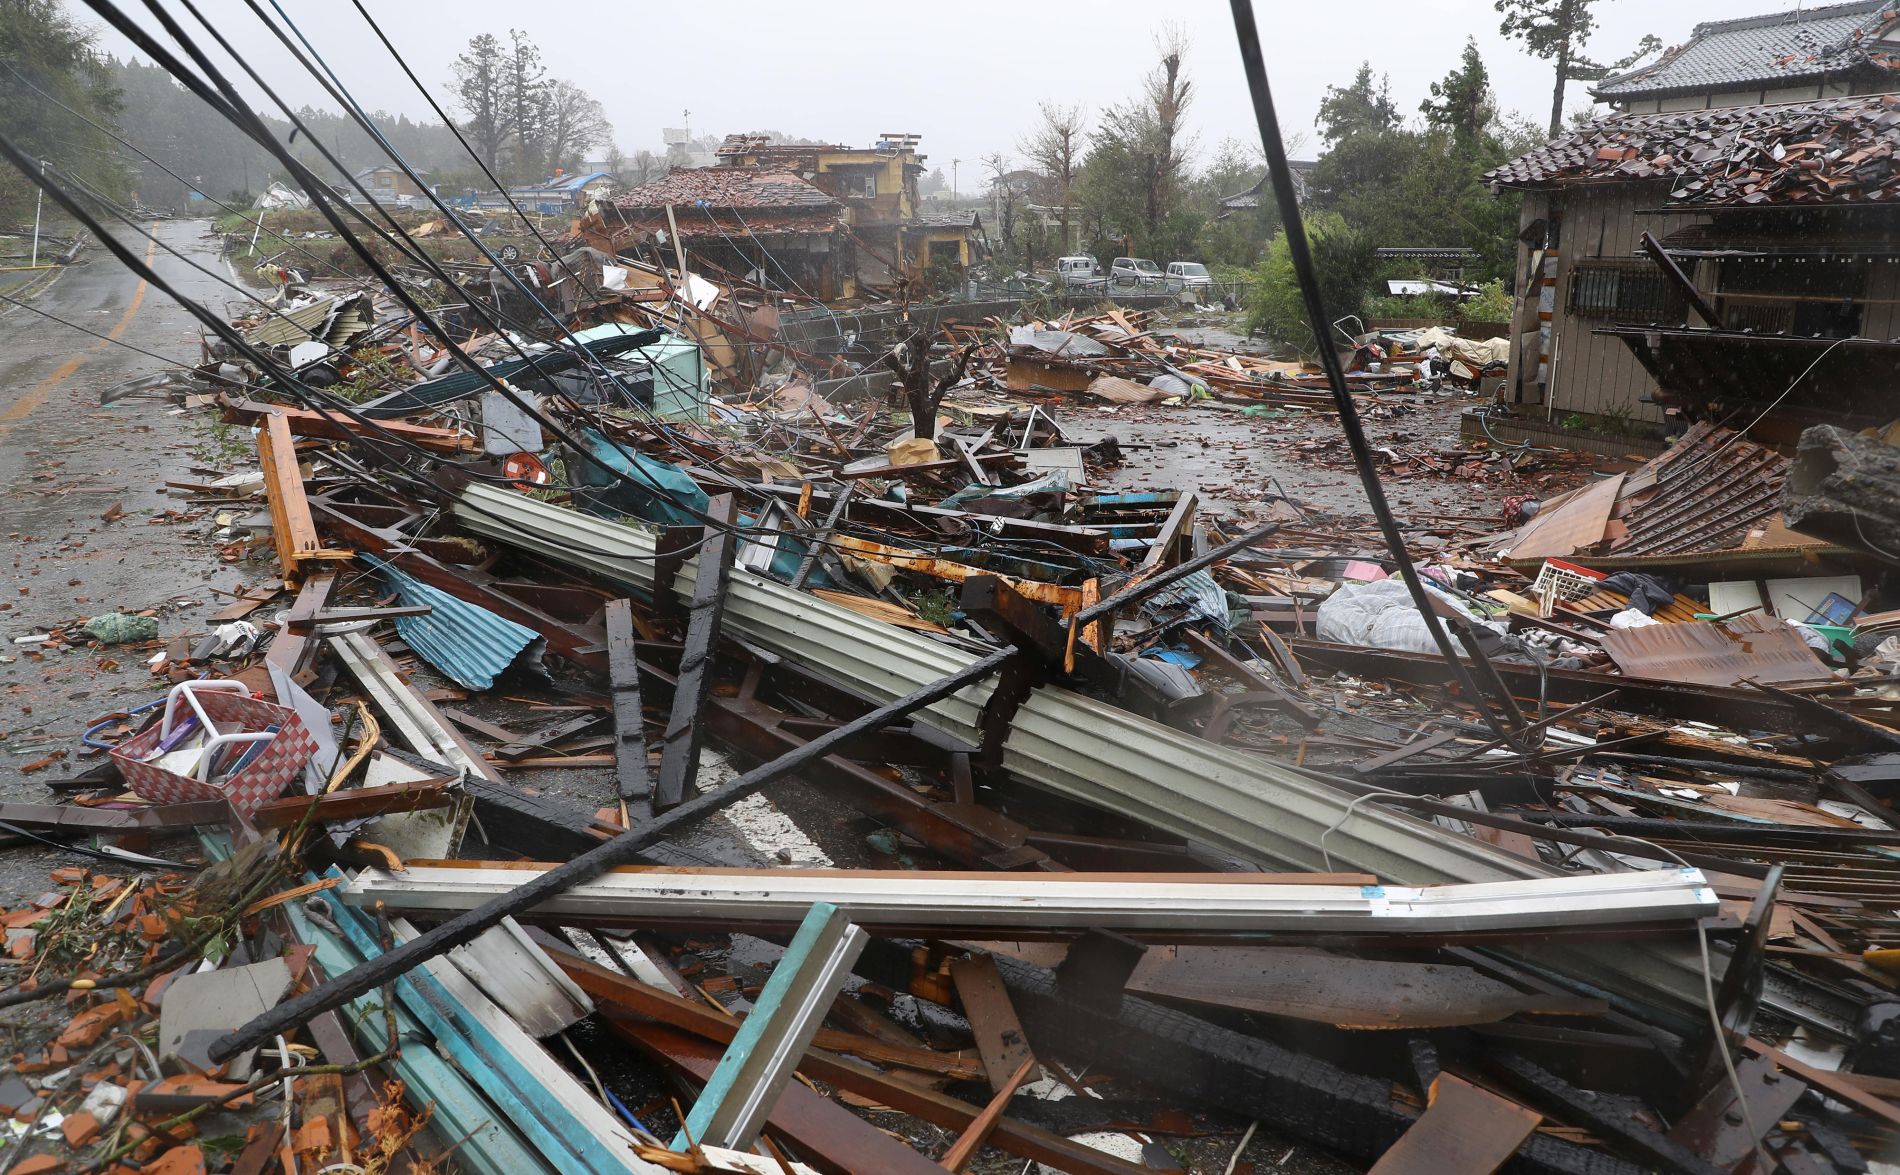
<point x="643" y="168"/>
<point x="480" y="91"/>
<point x="1056" y="150"/>
<point x="571" y="123"/>
<point x="1169" y="93"/>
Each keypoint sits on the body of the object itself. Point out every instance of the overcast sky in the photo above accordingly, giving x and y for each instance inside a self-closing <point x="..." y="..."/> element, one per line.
<point x="966" y="76"/>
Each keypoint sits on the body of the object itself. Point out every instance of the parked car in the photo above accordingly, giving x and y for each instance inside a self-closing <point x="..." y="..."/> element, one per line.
<point x="1079" y="272"/>
<point x="1188" y="275"/>
<point x="1134" y="273"/>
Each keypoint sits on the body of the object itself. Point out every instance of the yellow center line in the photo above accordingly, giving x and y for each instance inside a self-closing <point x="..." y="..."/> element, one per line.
<point x="43" y="389"/>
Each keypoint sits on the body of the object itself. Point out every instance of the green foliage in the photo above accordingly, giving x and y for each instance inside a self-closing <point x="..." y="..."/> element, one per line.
<point x="1362" y="108"/>
<point x="1462" y="104"/>
<point x="53" y="84"/>
<point x="1491" y="305"/>
<point x="1415" y="188"/>
<point x="1344" y="264"/>
<point x="374" y="372"/>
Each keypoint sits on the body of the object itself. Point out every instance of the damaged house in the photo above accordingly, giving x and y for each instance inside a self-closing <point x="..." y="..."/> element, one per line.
<point x="1711" y="264"/>
<point x="876" y="188"/>
<point x="1772" y="223"/>
<point x="770" y="227"/>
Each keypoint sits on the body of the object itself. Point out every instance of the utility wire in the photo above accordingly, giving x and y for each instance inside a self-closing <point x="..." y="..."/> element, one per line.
<point x="109" y="133"/>
<point x="1255" y="67"/>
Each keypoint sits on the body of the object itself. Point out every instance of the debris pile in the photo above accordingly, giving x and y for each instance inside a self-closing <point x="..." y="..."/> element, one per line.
<point x="639" y="751"/>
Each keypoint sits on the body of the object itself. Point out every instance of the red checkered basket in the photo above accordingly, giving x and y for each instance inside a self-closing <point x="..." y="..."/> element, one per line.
<point x="263" y="779"/>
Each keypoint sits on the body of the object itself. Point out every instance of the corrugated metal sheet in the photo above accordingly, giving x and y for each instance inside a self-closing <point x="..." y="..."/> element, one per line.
<point x="470" y="644"/>
<point x="458" y="384"/>
<point x="292" y="326"/>
<point x="1749" y="648"/>
<point x="1088" y="750"/>
<point x="1706" y="493"/>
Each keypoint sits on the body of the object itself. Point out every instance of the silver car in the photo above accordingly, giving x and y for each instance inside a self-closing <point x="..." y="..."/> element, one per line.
<point x="1134" y="273"/>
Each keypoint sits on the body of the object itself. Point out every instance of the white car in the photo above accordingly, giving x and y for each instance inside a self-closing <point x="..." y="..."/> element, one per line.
<point x="1188" y="275"/>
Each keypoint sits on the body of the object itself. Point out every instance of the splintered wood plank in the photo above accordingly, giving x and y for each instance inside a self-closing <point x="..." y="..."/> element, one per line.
<point x="1465" y="1129"/>
<point x="1000" y="1039"/>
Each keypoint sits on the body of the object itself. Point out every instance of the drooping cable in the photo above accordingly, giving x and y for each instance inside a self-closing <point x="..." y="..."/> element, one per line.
<point x="256" y="222"/>
<point x="1293" y="227"/>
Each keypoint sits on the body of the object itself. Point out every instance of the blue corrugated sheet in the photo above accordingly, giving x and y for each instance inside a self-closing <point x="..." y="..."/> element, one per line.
<point x="470" y="644"/>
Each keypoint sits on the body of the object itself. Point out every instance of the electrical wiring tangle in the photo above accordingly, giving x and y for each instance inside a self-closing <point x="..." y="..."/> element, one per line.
<point x="225" y="99"/>
<point x="109" y="133"/>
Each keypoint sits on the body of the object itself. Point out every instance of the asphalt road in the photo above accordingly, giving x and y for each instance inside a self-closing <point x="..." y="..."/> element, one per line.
<point x="65" y="462"/>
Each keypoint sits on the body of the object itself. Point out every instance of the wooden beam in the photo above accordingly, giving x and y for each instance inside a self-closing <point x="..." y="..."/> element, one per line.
<point x="635" y="1002"/>
<point x="634" y="781"/>
<point x="1067" y="598"/>
<point x="679" y="749"/>
<point x="331" y="426"/>
<point x="972" y="1139"/>
<point x="999" y="1034"/>
<point x="292" y="531"/>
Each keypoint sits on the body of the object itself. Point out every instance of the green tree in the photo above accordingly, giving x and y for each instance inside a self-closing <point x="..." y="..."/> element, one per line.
<point x="1364" y="107"/>
<point x="52" y="83"/>
<point x="1462" y="104"/>
<point x="481" y="92"/>
<point x="1557" y="31"/>
<point x="1344" y="264"/>
<point x="1137" y="162"/>
<point x="524" y="104"/>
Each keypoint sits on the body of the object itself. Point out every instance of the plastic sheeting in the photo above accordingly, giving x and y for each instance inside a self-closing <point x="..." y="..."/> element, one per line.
<point x="1381" y="615"/>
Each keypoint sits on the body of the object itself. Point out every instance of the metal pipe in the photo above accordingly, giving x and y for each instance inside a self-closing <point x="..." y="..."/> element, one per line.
<point x="622" y="850"/>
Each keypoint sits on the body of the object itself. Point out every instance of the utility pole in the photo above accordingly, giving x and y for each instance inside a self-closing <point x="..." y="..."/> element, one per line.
<point x="38" y="199"/>
<point x="953" y="179"/>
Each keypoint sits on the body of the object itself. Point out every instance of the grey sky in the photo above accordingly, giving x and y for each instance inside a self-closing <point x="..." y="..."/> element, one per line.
<point x="967" y="77"/>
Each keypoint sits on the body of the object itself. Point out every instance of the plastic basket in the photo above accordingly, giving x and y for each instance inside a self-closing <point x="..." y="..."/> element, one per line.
<point x="235" y="715"/>
<point x="1558" y="580"/>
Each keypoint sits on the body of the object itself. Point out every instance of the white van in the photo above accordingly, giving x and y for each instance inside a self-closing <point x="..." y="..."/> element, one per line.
<point x="1080" y="270"/>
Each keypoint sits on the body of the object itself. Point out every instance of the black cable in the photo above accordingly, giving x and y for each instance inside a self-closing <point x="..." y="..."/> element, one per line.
<point x="308" y="396"/>
<point x="227" y="101"/>
<point x="29" y="307"/>
<point x="127" y="217"/>
<point x="335" y="87"/>
<point x="107" y="131"/>
<point x="1294" y="230"/>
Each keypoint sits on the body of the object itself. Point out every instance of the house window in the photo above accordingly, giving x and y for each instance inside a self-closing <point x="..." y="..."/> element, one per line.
<point x="1624" y="292"/>
<point x="870" y="185"/>
<point x="1806" y="296"/>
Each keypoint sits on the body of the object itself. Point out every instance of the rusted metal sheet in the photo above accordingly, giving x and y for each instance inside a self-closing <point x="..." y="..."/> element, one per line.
<point x="1333" y="989"/>
<point x="1466" y="1129"/>
<point x="1747" y="648"/>
<point x="1572" y="525"/>
<point x="1703" y="494"/>
<point x="1069" y="599"/>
